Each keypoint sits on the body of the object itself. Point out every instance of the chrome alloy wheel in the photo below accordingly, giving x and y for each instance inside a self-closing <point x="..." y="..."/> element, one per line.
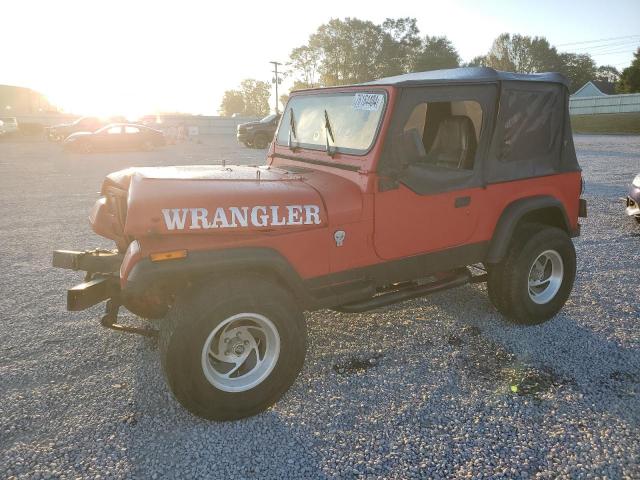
<point x="545" y="277"/>
<point x="240" y="352"/>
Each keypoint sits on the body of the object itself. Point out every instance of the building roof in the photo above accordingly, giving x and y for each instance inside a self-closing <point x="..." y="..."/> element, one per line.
<point x="595" y="88"/>
<point x="466" y="75"/>
<point x="605" y="87"/>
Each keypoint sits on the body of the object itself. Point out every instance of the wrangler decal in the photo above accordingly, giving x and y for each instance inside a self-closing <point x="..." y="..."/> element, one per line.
<point x="239" y="217"/>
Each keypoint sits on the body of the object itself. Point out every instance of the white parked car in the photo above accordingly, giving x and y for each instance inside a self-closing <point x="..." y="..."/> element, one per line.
<point x="8" y="125"/>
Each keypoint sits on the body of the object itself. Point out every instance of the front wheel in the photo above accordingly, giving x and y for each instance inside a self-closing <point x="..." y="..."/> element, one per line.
<point x="232" y="348"/>
<point x="535" y="278"/>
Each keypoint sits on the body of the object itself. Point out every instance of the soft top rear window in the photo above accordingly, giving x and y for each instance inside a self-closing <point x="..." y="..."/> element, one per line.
<point x="353" y="118"/>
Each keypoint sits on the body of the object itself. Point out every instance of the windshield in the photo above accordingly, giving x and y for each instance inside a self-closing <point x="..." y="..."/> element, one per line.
<point x="354" y="120"/>
<point x="268" y="118"/>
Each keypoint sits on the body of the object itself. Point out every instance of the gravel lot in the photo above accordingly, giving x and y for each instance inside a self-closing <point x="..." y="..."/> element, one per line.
<point x="436" y="387"/>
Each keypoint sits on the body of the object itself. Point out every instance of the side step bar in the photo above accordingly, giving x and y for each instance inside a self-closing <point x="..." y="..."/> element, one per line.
<point x="458" y="278"/>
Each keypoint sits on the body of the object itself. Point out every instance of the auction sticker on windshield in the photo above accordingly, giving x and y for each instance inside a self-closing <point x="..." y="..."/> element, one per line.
<point x="367" y="101"/>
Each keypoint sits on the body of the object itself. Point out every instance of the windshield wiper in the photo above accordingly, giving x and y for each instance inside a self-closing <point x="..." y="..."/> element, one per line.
<point x="292" y="129"/>
<point x="328" y="132"/>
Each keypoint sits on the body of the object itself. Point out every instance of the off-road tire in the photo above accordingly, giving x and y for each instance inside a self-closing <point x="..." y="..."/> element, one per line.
<point x="197" y="313"/>
<point x="260" y="141"/>
<point x="508" y="282"/>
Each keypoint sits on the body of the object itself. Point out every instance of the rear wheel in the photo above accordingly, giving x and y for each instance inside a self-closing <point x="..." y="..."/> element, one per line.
<point x="233" y="347"/>
<point x="535" y="278"/>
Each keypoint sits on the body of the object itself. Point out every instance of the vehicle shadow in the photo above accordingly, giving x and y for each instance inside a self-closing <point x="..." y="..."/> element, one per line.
<point x="604" y="372"/>
<point x="165" y="439"/>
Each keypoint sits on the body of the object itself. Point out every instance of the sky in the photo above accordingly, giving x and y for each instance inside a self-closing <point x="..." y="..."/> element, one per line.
<point x="136" y="57"/>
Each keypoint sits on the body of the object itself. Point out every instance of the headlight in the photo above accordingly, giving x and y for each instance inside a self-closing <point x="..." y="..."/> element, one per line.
<point x="636" y="181"/>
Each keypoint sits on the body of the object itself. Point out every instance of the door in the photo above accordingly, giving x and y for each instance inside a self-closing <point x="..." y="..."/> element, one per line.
<point x="438" y="137"/>
<point x="132" y="138"/>
<point x="109" y="138"/>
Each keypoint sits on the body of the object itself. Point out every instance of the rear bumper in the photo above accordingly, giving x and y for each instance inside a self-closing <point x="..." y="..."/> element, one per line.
<point x="102" y="281"/>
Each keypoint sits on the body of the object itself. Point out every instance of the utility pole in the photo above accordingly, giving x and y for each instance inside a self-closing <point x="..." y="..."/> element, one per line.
<point x="276" y="80"/>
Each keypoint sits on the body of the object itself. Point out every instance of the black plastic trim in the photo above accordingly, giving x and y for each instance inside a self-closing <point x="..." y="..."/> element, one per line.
<point x="511" y="216"/>
<point x="342" y="166"/>
<point x="178" y="273"/>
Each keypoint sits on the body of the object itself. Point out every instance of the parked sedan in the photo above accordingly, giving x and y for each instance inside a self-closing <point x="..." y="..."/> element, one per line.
<point x="58" y="133"/>
<point x="633" y="199"/>
<point x="10" y="125"/>
<point x="116" y="136"/>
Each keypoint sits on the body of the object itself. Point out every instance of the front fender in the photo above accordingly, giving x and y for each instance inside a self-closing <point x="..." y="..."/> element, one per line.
<point x="140" y="275"/>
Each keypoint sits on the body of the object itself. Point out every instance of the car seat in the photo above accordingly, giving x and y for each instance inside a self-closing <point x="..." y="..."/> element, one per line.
<point x="455" y="143"/>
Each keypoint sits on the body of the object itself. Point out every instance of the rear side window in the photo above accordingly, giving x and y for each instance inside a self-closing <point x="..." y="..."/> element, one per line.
<point x="532" y="124"/>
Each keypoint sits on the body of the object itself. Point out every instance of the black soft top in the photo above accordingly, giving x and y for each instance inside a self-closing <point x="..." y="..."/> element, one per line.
<point x="468" y="75"/>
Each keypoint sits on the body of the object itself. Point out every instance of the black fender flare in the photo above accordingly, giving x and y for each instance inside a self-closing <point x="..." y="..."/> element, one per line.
<point x="145" y="274"/>
<point x="510" y="217"/>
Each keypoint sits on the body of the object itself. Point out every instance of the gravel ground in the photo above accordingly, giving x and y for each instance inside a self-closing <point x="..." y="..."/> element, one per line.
<point x="436" y="387"/>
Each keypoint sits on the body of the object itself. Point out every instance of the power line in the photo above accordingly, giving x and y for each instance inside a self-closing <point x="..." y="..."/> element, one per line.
<point x="608" y="45"/>
<point x="597" y="41"/>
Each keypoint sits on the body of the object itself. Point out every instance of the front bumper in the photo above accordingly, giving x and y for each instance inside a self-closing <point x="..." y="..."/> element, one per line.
<point x="102" y="280"/>
<point x="633" y="202"/>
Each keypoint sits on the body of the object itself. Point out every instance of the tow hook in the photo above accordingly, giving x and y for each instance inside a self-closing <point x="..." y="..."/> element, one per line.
<point x="111" y="317"/>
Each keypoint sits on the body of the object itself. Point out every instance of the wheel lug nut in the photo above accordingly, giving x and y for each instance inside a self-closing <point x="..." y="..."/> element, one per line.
<point x="226" y="340"/>
<point x="246" y="342"/>
<point x="226" y="352"/>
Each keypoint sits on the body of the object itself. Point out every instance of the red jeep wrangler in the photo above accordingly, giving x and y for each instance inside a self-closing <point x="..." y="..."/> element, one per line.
<point x="372" y="194"/>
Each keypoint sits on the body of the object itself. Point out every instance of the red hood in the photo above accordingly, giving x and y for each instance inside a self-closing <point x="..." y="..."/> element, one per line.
<point x="211" y="199"/>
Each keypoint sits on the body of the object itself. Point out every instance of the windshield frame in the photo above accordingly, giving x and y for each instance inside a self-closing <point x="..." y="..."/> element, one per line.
<point x="339" y="150"/>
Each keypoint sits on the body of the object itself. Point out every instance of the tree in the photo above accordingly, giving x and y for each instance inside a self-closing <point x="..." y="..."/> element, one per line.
<point x="630" y="78"/>
<point x="251" y="99"/>
<point x="351" y="51"/>
<point x="578" y="68"/>
<point x="284" y="98"/>
<point x="479" y="61"/>
<point x="522" y="54"/>
<point x="608" y="73"/>
<point x="435" y="53"/>
<point x="256" y="97"/>
<point x="232" y="102"/>
<point x="401" y="42"/>
<point x="305" y="61"/>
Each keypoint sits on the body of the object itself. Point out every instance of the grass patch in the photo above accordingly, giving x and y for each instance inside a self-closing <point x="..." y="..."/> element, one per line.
<point x="606" y="123"/>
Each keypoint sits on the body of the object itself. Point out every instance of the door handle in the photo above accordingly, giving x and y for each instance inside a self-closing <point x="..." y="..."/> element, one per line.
<point x="462" y="202"/>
